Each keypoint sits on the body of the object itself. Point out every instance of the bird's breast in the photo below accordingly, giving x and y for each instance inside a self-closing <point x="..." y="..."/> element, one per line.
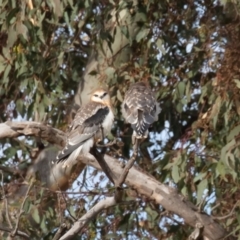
<point x="108" y="122"/>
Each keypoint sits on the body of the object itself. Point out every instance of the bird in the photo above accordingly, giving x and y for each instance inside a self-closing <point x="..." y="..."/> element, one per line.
<point x="140" y="108"/>
<point x="91" y="124"/>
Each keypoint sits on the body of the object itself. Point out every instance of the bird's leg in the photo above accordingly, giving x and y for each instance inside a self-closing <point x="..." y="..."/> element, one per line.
<point x="100" y="142"/>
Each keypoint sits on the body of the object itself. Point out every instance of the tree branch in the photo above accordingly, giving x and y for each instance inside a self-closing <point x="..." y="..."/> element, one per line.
<point x="228" y="215"/>
<point x="5" y="202"/>
<point x="21" y="211"/>
<point x="143" y="183"/>
<point x="27" y="128"/>
<point x="89" y="216"/>
<point x="18" y="233"/>
<point x="53" y="176"/>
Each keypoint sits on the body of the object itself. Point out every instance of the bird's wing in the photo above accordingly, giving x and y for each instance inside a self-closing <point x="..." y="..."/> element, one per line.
<point x="85" y="125"/>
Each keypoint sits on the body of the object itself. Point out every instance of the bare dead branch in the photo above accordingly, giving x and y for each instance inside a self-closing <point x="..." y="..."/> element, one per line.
<point x="27" y="128"/>
<point x="5" y="202"/>
<point x="21" y="210"/>
<point x="18" y="233"/>
<point x="90" y="215"/>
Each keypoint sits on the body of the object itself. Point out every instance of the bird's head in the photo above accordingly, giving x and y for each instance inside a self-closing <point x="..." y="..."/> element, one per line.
<point x="101" y="96"/>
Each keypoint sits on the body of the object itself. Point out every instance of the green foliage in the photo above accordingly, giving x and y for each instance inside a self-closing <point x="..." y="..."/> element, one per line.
<point x="182" y="49"/>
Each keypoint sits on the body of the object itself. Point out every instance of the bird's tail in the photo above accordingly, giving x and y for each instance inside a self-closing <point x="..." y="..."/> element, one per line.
<point x="141" y="126"/>
<point x="63" y="156"/>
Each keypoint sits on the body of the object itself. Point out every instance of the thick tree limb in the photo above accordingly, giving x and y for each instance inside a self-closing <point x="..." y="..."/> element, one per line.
<point x="27" y="128"/>
<point x="54" y="176"/>
<point x="144" y="184"/>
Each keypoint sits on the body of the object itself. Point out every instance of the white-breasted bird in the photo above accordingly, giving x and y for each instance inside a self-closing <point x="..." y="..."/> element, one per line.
<point x="92" y="123"/>
<point x="140" y="108"/>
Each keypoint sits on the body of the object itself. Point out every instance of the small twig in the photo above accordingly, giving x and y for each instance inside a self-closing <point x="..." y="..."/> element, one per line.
<point x="88" y="193"/>
<point x="5" y="202"/>
<point x="60" y="231"/>
<point x="214" y="207"/>
<point x="91" y="214"/>
<point x="228" y="215"/>
<point x="59" y="207"/>
<point x="202" y="202"/>
<point x="8" y="170"/>
<point x="128" y="166"/>
<point x="21" y="210"/>
<point x="18" y="233"/>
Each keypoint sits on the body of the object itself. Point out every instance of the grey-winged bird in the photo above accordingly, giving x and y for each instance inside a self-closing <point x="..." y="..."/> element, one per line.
<point x="92" y="122"/>
<point x="140" y="108"/>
